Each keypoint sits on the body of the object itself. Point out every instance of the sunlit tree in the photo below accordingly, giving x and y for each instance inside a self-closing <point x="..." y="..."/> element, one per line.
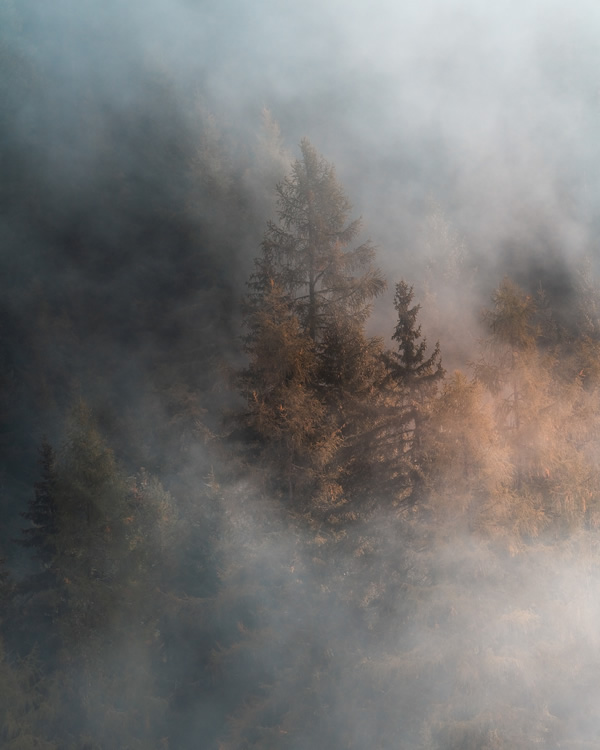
<point x="416" y="372"/>
<point x="512" y="337"/>
<point x="283" y="410"/>
<point x="310" y="362"/>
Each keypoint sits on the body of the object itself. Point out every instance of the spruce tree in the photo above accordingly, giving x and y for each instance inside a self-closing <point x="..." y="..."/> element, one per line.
<point x="409" y="365"/>
<point x="6" y="585"/>
<point x="40" y="596"/>
<point x="41" y="534"/>
<point x="413" y="381"/>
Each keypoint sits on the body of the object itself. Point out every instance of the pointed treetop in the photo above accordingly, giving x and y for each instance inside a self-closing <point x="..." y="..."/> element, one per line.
<point x="410" y="365"/>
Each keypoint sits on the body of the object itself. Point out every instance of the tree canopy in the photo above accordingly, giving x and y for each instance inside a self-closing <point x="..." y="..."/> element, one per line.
<point x="289" y="532"/>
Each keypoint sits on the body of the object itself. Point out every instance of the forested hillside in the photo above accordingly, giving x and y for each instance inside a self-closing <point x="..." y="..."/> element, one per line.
<point x="266" y="482"/>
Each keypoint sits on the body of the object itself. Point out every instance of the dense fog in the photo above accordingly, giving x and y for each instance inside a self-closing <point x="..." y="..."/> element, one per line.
<point x="271" y="478"/>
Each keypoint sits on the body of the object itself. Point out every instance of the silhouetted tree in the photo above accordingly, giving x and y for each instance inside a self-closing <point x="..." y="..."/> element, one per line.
<point x="42" y="512"/>
<point x="409" y="366"/>
<point x="413" y="382"/>
<point x="307" y="251"/>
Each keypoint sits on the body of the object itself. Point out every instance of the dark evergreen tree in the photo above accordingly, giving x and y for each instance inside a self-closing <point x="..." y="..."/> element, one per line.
<point x="32" y="622"/>
<point x="409" y="366"/>
<point x="6" y="585"/>
<point x="412" y="384"/>
<point x="42" y="512"/>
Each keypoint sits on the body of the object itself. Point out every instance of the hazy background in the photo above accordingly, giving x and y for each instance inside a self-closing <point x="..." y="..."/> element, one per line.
<point x="137" y="168"/>
<point x="487" y="115"/>
<point x="491" y="112"/>
<point x="137" y="171"/>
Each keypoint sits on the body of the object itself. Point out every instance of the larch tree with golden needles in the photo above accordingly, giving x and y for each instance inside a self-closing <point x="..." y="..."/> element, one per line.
<point x="308" y="251"/>
<point x="545" y="415"/>
<point x="309" y="297"/>
<point x="511" y="325"/>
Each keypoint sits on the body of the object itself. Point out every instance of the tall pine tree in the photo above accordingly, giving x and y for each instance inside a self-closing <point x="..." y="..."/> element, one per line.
<point x="41" y="514"/>
<point x="409" y="365"/>
<point x="413" y="381"/>
<point x="307" y="252"/>
<point x="309" y="297"/>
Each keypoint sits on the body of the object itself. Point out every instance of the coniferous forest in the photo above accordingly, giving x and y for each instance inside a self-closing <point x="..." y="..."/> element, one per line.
<point x="298" y="449"/>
